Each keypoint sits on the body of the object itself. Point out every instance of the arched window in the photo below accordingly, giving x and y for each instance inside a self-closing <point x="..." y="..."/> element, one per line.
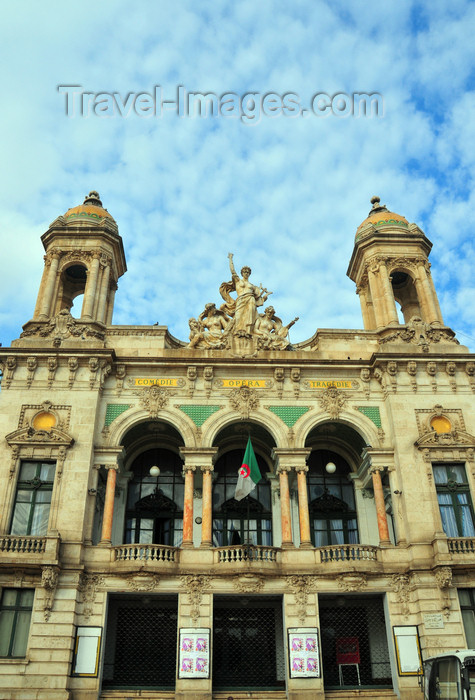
<point x="405" y="294"/>
<point x="154" y="512"/>
<point x="72" y="286"/>
<point x="331" y="501"/>
<point x="245" y="521"/>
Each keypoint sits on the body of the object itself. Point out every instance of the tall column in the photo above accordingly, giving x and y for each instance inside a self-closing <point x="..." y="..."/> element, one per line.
<point x="108" y="515"/>
<point x="198" y="459"/>
<point x="45" y="309"/>
<point x="91" y="288"/>
<point x="422" y="299"/>
<point x="376" y="296"/>
<point x="434" y="297"/>
<point x="207" y="516"/>
<point x="110" y="305"/>
<point x="189" y="472"/>
<point x="285" y="507"/>
<point x="367" y="321"/>
<point x="304" y="517"/>
<point x="427" y="291"/>
<point x="101" y="307"/>
<point x="380" y="507"/>
<point x="390" y="304"/>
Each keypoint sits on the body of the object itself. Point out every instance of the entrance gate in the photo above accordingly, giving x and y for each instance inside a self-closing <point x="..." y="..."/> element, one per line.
<point x="354" y="642"/>
<point x="248" y="644"/>
<point x="141" y="641"/>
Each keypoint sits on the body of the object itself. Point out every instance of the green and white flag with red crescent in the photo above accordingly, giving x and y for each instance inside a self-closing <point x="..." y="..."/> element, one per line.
<point x="249" y="474"/>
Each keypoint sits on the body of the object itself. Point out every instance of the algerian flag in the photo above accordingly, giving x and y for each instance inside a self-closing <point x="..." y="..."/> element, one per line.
<point x="249" y="474"/>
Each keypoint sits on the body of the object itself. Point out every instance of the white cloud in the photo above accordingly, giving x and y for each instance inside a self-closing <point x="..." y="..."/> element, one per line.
<point x="285" y="195"/>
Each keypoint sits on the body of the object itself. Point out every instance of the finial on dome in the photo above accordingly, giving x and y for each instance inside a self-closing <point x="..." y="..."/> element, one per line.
<point x="375" y="201"/>
<point x="93" y="199"/>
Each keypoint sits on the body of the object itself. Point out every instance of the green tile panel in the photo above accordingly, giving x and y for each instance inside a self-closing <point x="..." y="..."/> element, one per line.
<point x="371" y="412"/>
<point x="114" y="410"/>
<point x="199" y="414"/>
<point x="289" y="414"/>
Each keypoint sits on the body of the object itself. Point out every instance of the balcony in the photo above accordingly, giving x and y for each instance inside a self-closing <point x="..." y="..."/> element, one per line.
<point x="247" y="554"/>
<point x="461" y="545"/>
<point x="29" y="551"/>
<point x="348" y="553"/>
<point x="145" y="553"/>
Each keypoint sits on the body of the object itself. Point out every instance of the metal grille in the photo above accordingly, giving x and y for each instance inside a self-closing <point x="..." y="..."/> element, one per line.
<point x="248" y="647"/>
<point x="354" y="642"/>
<point x="141" y="642"/>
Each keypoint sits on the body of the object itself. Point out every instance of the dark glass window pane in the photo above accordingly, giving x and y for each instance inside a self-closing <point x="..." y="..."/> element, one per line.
<point x="7" y="618"/>
<point x="15" y="615"/>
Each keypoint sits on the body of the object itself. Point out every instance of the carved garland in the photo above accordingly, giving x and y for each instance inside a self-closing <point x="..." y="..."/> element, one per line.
<point x="302" y="587"/>
<point x="194" y="585"/>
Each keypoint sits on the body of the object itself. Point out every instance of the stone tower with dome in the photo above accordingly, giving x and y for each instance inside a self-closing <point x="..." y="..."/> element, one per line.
<point x="130" y="567"/>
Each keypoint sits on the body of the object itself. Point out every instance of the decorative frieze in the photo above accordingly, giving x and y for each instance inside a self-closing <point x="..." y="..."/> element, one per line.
<point x="49" y="581"/>
<point x="144" y="582"/>
<point x="31" y="365"/>
<point x="63" y="326"/>
<point x="88" y="585"/>
<point x="279" y="376"/>
<point x="352" y="582"/>
<point x="295" y="377"/>
<point x="431" y="369"/>
<point x="194" y="584"/>
<point x="244" y="400"/>
<point x="249" y="583"/>
<point x="73" y="365"/>
<point x="401" y="585"/>
<point x="417" y="332"/>
<point x="191" y="374"/>
<point x="332" y="401"/>
<point x="411" y="369"/>
<point x="154" y="399"/>
<point x="10" y="366"/>
<point x="302" y="587"/>
<point x="450" y="370"/>
<point x="120" y="375"/>
<point x="52" y="364"/>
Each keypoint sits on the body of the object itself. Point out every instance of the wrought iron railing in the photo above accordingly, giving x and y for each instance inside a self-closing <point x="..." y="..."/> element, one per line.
<point x="145" y="552"/>
<point x="246" y="553"/>
<point x="461" y="545"/>
<point x="22" y="545"/>
<point x="348" y="552"/>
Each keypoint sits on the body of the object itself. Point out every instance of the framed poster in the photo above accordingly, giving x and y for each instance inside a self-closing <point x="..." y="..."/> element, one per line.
<point x="194" y="653"/>
<point x="304" y="652"/>
<point x="408" y="650"/>
<point x="87" y="648"/>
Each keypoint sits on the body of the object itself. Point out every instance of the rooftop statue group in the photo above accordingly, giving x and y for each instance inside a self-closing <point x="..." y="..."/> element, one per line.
<point x="237" y="325"/>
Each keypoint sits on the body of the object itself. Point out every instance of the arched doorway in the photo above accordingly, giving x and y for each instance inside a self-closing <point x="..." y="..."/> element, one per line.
<point x="334" y="459"/>
<point x="248" y="521"/>
<point x="332" y="506"/>
<point x="154" y="509"/>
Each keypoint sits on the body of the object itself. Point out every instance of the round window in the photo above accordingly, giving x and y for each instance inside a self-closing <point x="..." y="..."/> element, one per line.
<point x="44" y="421"/>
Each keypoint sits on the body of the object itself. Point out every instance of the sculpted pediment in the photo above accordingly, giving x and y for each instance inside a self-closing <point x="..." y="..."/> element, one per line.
<point x="456" y="438"/>
<point x="237" y="325"/>
<point x="30" y="436"/>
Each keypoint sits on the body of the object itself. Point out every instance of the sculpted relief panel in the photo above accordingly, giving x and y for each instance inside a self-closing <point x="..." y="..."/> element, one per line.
<point x="237" y="325"/>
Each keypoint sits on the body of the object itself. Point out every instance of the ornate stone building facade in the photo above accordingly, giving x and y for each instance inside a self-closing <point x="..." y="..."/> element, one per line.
<point x="127" y="567"/>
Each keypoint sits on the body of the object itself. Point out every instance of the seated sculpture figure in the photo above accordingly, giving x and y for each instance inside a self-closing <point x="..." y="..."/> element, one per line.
<point x="272" y="334"/>
<point x="210" y="330"/>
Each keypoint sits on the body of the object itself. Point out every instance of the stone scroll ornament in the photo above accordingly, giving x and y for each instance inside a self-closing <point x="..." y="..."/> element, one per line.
<point x="237" y="325"/>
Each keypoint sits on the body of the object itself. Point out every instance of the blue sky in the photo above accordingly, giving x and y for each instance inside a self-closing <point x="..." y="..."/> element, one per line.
<point x="285" y="195"/>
